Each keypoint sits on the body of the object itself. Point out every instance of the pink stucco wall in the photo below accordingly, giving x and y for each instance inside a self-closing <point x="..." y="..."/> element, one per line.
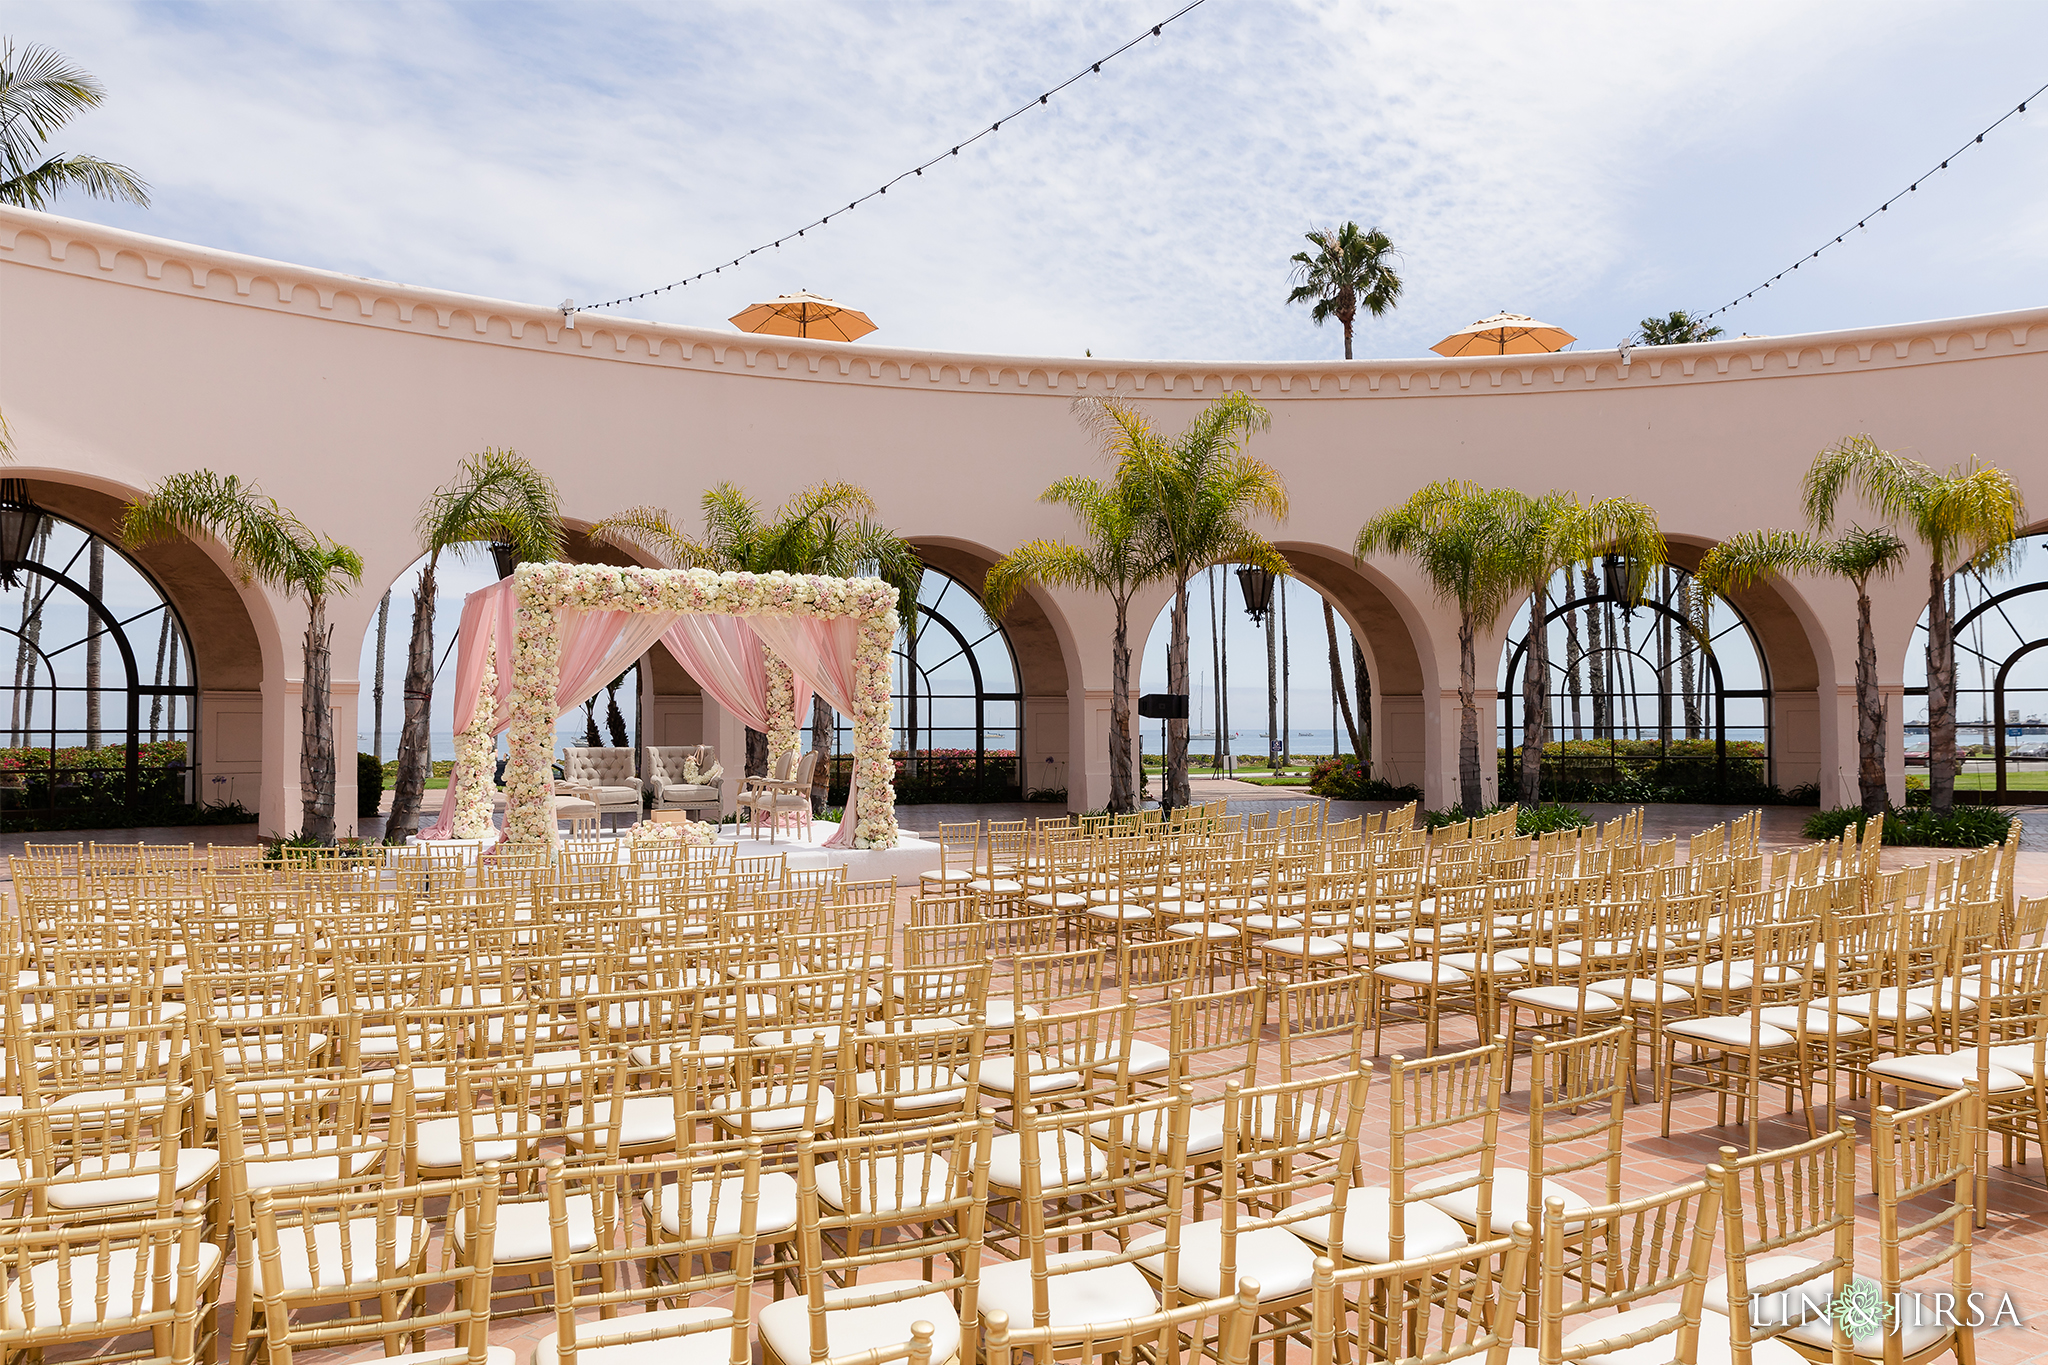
<point x="124" y="357"/>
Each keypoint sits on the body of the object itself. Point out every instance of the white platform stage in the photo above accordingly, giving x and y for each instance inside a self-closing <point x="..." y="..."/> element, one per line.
<point x="902" y="864"/>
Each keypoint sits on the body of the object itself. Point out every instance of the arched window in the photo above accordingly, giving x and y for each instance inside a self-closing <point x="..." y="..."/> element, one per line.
<point x="958" y="711"/>
<point x="102" y="714"/>
<point x="2001" y="688"/>
<point x="1634" y="697"/>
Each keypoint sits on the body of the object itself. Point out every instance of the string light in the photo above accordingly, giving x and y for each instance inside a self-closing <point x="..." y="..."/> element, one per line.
<point x="1885" y="207"/>
<point x="1093" y="68"/>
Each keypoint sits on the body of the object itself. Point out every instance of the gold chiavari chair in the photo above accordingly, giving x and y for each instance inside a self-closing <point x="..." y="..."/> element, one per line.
<point x="1218" y="1330"/>
<point x="371" y="1242"/>
<point x="903" y="1079"/>
<point x="1444" y="1115"/>
<point x="1078" y="1178"/>
<point x="1775" y="1207"/>
<point x="70" y="1283"/>
<point x="699" y="1210"/>
<point x="959" y="858"/>
<point x="1290" y="1155"/>
<point x="1457" y="1305"/>
<point x="1920" y="1158"/>
<point x="927" y="1189"/>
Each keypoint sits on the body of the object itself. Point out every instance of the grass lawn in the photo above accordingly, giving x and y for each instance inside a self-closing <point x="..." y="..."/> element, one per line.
<point x="434" y="784"/>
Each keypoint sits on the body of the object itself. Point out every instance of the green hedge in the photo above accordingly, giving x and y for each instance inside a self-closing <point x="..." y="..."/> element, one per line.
<point x="1963" y="827"/>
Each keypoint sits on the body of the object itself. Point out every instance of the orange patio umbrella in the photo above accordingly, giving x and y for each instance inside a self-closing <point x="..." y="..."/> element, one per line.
<point x="804" y="314"/>
<point x="1505" y="334"/>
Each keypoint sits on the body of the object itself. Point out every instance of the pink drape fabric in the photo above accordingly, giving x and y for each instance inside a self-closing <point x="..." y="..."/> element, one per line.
<point x="821" y="652"/>
<point x="724" y="655"/>
<point x="472" y="641"/>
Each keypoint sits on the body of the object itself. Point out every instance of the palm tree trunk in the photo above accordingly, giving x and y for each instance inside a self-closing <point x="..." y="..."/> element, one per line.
<point x="614" y="722"/>
<point x="1536" y="696"/>
<point x="96" y="583"/>
<point x="1596" y="662"/>
<point x="1687" y="681"/>
<point x="1177" y="682"/>
<point x="1869" y="710"/>
<point x="1272" y="695"/>
<point x="1571" y="658"/>
<point x="1361" y="682"/>
<point x="1338" y="691"/>
<point x="377" y="688"/>
<point x="316" y="739"/>
<point x="414" y="758"/>
<point x="821" y="745"/>
<point x="1223" y="685"/>
<point x="1215" y="666"/>
<point x="1122" y="790"/>
<point x="1941" y="685"/>
<point x="1468" y="718"/>
<point x="156" y="700"/>
<point x="1286" y="686"/>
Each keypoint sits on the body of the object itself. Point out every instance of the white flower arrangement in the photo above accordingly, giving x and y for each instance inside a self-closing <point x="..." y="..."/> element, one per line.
<point x="469" y="782"/>
<point x="782" y="720"/>
<point x="688" y="833"/>
<point x="543" y="591"/>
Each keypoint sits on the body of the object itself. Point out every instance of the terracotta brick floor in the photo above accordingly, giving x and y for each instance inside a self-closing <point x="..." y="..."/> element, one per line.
<point x="2011" y="1254"/>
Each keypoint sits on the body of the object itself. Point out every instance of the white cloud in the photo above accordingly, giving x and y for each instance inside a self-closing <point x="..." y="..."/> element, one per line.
<point x="1587" y="163"/>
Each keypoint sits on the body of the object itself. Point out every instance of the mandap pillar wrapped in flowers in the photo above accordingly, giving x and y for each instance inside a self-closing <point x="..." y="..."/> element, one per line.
<point x="546" y="594"/>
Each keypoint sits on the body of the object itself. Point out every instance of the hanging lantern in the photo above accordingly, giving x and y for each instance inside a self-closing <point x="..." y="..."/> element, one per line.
<point x="1621" y="581"/>
<point x="1258" y="591"/>
<point x="505" y="557"/>
<point x="21" y="521"/>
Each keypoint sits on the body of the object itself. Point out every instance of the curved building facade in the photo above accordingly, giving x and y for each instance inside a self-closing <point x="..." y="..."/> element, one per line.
<point x="124" y="358"/>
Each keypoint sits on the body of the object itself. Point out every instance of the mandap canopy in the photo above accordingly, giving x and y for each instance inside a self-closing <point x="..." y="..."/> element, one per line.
<point x="547" y="639"/>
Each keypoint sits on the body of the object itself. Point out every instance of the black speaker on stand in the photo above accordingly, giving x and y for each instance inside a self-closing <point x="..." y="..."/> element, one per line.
<point x="1162" y="707"/>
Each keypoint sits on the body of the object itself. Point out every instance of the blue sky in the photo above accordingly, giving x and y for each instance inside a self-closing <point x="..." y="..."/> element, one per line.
<point x="1585" y="163"/>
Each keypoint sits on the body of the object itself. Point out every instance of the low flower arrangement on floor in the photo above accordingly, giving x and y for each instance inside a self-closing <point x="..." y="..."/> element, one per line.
<point x="687" y="833"/>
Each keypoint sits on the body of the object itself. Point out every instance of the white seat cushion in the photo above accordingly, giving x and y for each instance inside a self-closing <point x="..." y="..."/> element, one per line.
<point x="1061" y="1157"/>
<point x="1420" y="973"/>
<point x="1641" y="990"/>
<point x="1057" y="900"/>
<point x="774" y="1109"/>
<point x="1730" y="1032"/>
<point x="1817" y="1018"/>
<point x="1001" y="1012"/>
<point x="1282" y="1263"/>
<point x="439" y="1141"/>
<point x="1945" y="1071"/>
<point x="453" y="1355"/>
<point x="707" y="1347"/>
<point x="298" y="1162"/>
<point x="335" y="1270"/>
<point x="712" y="1047"/>
<point x="776" y="1212"/>
<point x="1149" y="1134"/>
<point x="913" y="1088"/>
<point x="1807" y="1305"/>
<point x="2020" y="1058"/>
<point x="917" y="1180"/>
<point x="1713" y="976"/>
<point x="523" y="1229"/>
<point x="1563" y="1000"/>
<point x="1714" y="1346"/>
<point x="1075" y="1299"/>
<point x="1199" y="929"/>
<point x="785" y="1326"/>
<point x="86" y="1185"/>
<point x="1889" y="1004"/>
<point x="84" y="1273"/>
<point x="1000" y="1074"/>
<point x="1303" y="946"/>
<point x="1367" y="1233"/>
<point x="1509" y="1198"/>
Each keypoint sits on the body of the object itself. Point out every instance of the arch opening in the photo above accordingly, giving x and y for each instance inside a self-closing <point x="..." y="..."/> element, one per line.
<point x="103" y="711"/>
<point x="1669" y="690"/>
<point x="2001" y="687"/>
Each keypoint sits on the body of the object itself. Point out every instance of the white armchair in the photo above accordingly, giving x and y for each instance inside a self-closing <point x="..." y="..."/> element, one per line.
<point x="666" y="789"/>
<point x="603" y="777"/>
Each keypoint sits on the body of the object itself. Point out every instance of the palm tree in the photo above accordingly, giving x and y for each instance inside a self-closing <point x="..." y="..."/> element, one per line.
<point x="496" y="495"/>
<point x="1348" y="270"/>
<point x="270" y="546"/>
<point x="1858" y="555"/>
<point x="1361" y="746"/>
<point x="1564" y="531"/>
<point x="1470" y="543"/>
<point x="1962" y="516"/>
<point x="1192" y="496"/>
<point x="1678" y="329"/>
<point x="39" y="94"/>
<point x="828" y="528"/>
<point x="1117" y="559"/>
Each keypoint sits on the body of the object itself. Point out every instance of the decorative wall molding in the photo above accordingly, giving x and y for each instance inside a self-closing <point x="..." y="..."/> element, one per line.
<point x="40" y="241"/>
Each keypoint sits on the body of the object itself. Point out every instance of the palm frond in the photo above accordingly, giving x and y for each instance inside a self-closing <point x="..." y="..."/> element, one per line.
<point x="1744" y="560"/>
<point x="91" y="176"/>
<point x="497" y="495"/>
<point x="1050" y="562"/>
<point x="652" y="531"/>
